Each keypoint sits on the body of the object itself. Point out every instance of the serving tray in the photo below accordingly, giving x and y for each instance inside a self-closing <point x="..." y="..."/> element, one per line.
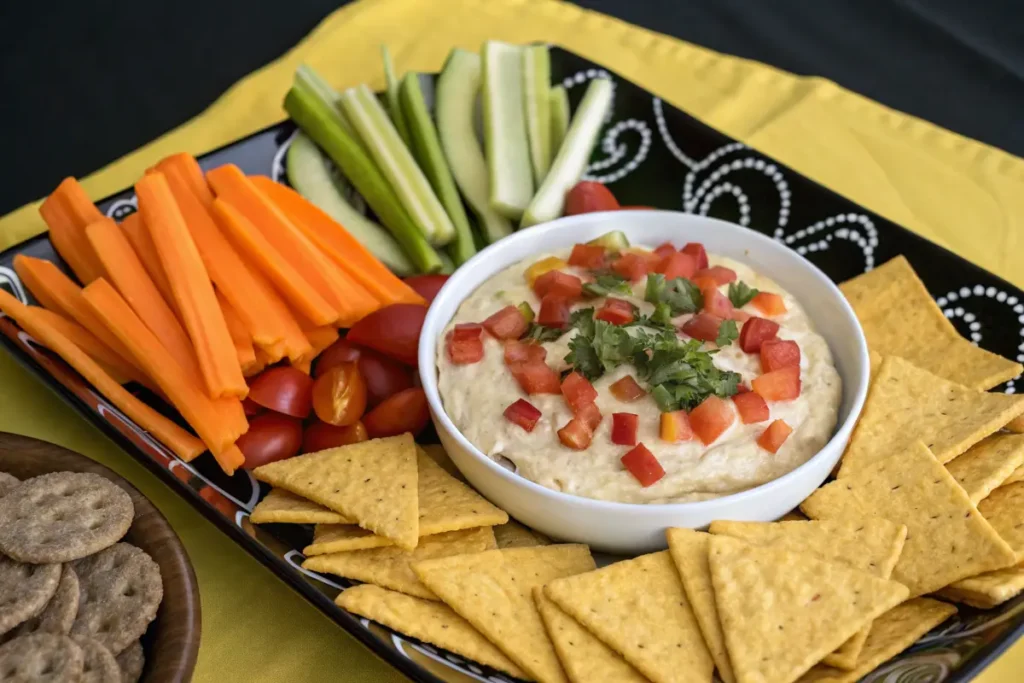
<point x="649" y="154"/>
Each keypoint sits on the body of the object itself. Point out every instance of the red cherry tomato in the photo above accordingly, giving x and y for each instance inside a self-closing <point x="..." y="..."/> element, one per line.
<point x="283" y="389"/>
<point x="427" y="286"/>
<point x="406" y="411"/>
<point x="393" y="330"/>
<point x="271" y="437"/>
<point x="339" y="395"/>
<point x="320" y="436"/>
<point x="251" y="408"/>
<point x="341" y="351"/>
<point x="383" y="376"/>
<point x="587" y="196"/>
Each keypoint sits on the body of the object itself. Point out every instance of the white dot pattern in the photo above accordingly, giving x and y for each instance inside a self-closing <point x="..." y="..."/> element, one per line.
<point x="973" y="325"/>
<point x="616" y="152"/>
<point x="851" y="227"/>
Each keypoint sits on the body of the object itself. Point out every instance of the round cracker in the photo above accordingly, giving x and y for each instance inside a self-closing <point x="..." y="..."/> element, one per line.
<point x="7" y="482"/>
<point x="132" y="661"/>
<point x="99" y="665"/>
<point x="120" y="590"/>
<point x="41" y="658"/>
<point x="60" y="611"/>
<point x="24" y="590"/>
<point x="63" y="516"/>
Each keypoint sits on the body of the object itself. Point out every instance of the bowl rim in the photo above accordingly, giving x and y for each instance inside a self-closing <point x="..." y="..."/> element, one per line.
<point x="428" y="369"/>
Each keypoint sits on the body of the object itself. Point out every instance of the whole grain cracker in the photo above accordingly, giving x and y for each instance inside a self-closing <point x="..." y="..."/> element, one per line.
<point x="391" y="567"/>
<point x="987" y="590"/>
<point x="121" y="589"/>
<point x="131" y="662"/>
<point x="493" y="592"/>
<point x="1004" y="510"/>
<point x="893" y="632"/>
<point x="947" y="538"/>
<point x="373" y="482"/>
<point x="99" y="665"/>
<point x="7" y="482"/>
<point x="900" y="318"/>
<point x="907" y="404"/>
<point x="782" y="612"/>
<point x="63" y="516"/>
<point x="284" y="507"/>
<point x="60" y="611"/>
<point x="512" y="534"/>
<point x="25" y="589"/>
<point x="638" y="608"/>
<point x="987" y="464"/>
<point x="428" y="621"/>
<point x="41" y="658"/>
<point x="584" y="657"/>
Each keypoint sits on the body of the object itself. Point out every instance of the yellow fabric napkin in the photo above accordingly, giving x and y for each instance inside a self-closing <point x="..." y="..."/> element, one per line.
<point x="955" y="191"/>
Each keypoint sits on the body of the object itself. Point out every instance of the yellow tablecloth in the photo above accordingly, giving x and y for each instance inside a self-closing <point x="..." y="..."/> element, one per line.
<point x="955" y="191"/>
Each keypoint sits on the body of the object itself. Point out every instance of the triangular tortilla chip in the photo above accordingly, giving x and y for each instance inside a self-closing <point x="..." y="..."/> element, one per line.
<point x="900" y="318"/>
<point x="438" y="454"/>
<point x="431" y="622"/>
<point x="493" y="591"/>
<point x="639" y="609"/>
<point x="1015" y="425"/>
<point x="1015" y="476"/>
<point x="782" y="612"/>
<point x="512" y="534"/>
<point x="987" y="464"/>
<point x="283" y="507"/>
<point x="391" y="567"/>
<point x="893" y="632"/>
<point x="689" y="550"/>
<point x="1004" y="510"/>
<point x="907" y="404"/>
<point x="373" y="482"/>
<point x="947" y="538"/>
<point x="987" y="590"/>
<point x="343" y="538"/>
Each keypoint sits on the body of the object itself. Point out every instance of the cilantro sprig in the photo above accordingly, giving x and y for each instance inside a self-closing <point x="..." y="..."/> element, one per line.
<point x="607" y="283"/>
<point x="727" y="333"/>
<point x="678" y="294"/>
<point x="542" y="333"/>
<point x="740" y="293"/>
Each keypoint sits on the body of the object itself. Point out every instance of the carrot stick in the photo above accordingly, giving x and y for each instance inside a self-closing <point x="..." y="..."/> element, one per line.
<point x="184" y="391"/>
<point x="239" y="334"/>
<point x="346" y="251"/>
<point x="186" y="446"/>
<point x="271" y="353"/>
<point x="67" y="211"/>
<point x="185" y="167"/>
<point x="320" y="338"/>
<point x="191" y="286"/>
<point x="134" y="229"/>
<point x="114" y="365"/>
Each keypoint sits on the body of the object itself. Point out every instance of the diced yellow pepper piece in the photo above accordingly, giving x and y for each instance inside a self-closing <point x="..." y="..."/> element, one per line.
<point x="545" y="265"/>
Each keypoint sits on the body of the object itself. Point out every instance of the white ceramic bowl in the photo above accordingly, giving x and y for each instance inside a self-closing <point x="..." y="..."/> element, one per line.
<point x="635" y="528"/>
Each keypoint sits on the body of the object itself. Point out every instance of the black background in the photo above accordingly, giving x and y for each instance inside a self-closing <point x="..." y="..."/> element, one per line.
<point x="82" y="83"/>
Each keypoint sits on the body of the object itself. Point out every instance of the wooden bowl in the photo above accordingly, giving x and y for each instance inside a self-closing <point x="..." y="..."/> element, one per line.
<point x="171" y="643"/>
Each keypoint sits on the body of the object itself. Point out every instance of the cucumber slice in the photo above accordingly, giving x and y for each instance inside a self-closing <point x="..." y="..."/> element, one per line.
<point x="559" y="105"/>
<point x="427" y="148"/>
<point x="508" y="151"/>
<point x="571" y="161"/>
<point x="615" y="240"/>
<point x="454" y="109"/>
<point x="537" y="108"/>
<point x="391" y="95"/>
<point x="396" y="163"/>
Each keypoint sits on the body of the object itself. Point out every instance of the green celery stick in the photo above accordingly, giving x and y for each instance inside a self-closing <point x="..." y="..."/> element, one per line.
<point x="559" y="109"/>
<point x="391" y="94"/>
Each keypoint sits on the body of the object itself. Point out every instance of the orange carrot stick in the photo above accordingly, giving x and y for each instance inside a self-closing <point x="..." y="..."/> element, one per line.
<point x="135" y="230"/>
<point x="67" y="211"/>
<point x="186" y="446"/>
<point x="320" y="338"/>
<point x="185" y="167"/>
<point x="346" y="251"/>
<point x="113" y="364"/>
<point x="239" y="334"/>
<point x="191" y="286"/>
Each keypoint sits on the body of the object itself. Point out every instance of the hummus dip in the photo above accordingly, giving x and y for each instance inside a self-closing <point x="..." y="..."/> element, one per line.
<point x="476" y="394"/>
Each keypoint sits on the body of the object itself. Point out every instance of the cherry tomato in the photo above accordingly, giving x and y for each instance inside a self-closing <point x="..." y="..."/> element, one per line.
<point x="339" y="395"/>
<point x="321" y="436"/>
<point x="393" y="330"/>
<point x="406" y="411"/>
<point x="341" y="351"/>
<point x="587" y="196"/>
<point x="283" y="389"/>
<point x="383" y="376"/>
<point x="250" y="407"/>
<point x="427" y="286"/>
<point x="270" y="437"/>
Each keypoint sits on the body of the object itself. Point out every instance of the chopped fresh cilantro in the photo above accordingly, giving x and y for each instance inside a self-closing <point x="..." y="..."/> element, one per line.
<point x="740" y="293"/>
<point x="660" y="317"/>
<point x="681" y="295"/>
<point x="727" y="333"/>
<point x="599" y="347"/>
<point x="541" y="333"/>
<point x="607" y="283"/>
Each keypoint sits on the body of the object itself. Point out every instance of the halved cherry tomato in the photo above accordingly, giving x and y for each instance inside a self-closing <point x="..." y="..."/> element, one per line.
<point x="702" y="326"/>
<point x="341" y="351"/>
<point x="383" y="376"/>
<point x="393" y="330"/>
<point x="720" y="274"/>
<point x="716" y="303"/>
<point x="751" y="407"/>
<point x="590" y="415"/>
<point x="642" y="464"/>
<point x="697" y="251"/>
<point x="270" y="437"/>
<point x="675" y="426"/>
<point x="535" y="377"/>
<point x="508" y="323"/>
<point x="756" y="331"/>
<point x="554" y="312"/>
<point x="406" y="411"/>
<point x="587" y="196"/>
<point x="616" y="312"/>
<point x="339" y="395"/>
<point x="624" y="428"/>
<point x="711" y="418"/>
<point x="320" y="436"/>
<point x="589" y="256"/>
<point x="773" y="437"/>
<point x="427" y="286"/>
<point x="250" y="407"/>
<point x="523" y="413"/>
<point x="575" y="434"/>
<point x="779" y="385"/>
<point x="465" y="351"/>
<point x="678" y="264"/>
<point x="632" y="266"/>
<point x="769" y="304"/>
<point x="562" y="285"/>
<point x="523" y="351"/>
<point x="627" y="390"/>
<point x="578" y="391"/>
<point x="283" y="389"/>
<point x="779" y="353"/>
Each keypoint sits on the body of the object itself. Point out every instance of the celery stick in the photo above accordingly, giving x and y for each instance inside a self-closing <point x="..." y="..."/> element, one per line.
<point x="508" y="151"/>
<point x="391" y="94"/>
<point x="396" y="163"/>
<point x="309" y="79"/>
<point x="448" y="264"/>
<point x="571" y="161"/>
<point x="559" y="109"/>
<point x="455" y="108"/>
<point x="314" y="116"/>
<point x="537" y="108"/>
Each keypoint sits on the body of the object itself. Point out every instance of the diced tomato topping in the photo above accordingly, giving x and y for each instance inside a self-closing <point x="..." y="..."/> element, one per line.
<point x="696" y="250"/>
<point x="768" y="303"/>
<point x="616" y="312"/>
<point x="711" y="418"/>
<point x="554" y="312"/>
<point x="779" y="385"/>
<point x="779" y="353"/>
<point x="624" y="427"/>
<point x="467" y="331"/>
<point x="665" y="250"/>
<point x="508" y="323"/>
<point x="751" y="407"/>
<point x="642" y="464"/>
<point x="716" y="303"/>
<point x="556" y="283"/>
<point x="678" y="264"/>
<point x="773" y="437"/>
<point x="589" y="256"/>
<point x="720" y="274"/>
<point x="575" y="434"/>
<point x="703" y="282"/>
<point x="523" y="413"/>
<point x="590" y="415"/>
<point x="632" y="266"/>
<point x="675" y="426"/>
<point x="755" y="332"/>
<point x="627" y="390"/>
<point x="742" y="388"/>
<point x="578" y="391"/>
<point x="702" y="326"/>
<point x="521" y="351"/>
<point x="464" y="351"/>
<point x="535" y="377"/>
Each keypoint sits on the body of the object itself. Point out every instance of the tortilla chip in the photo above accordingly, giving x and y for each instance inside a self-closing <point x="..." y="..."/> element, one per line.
<point x="584" y="658"/>
<point x="493" y="591"/>
<point x="512" y="534"/>
<point x="875" y="360"/>
<point x="782" y="612"/>
<point x="987" y="590"/>
<point x="947" y="538"/>
<point x="689" y="551"/>
<point x="988" y="464"/>
<point x="1015" y="425"/>
<point x="373" y="482"/>
<point x="391" y="566"/>
<point x="438" y="454"/>
<point x="906" y="404"/>
<point x="1015" y="476"/>
<point x="793" y="516"/>
<point x="1004" y="510"/>
<point x="283" y="507"/>
<point x="427" y="621"/>
<point x="343" y="538"/>
<point x="900" y="318"/>
<point x="638" y="608"/>
<point x="893" y="632"/>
